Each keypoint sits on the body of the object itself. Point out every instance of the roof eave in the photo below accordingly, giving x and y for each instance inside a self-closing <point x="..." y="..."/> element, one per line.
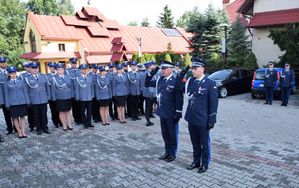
<point x="246" y="8"/>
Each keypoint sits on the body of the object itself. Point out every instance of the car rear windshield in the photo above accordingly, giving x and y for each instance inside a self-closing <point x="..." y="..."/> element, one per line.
<point x="220" y="75"/>
<point x="260" y="75"/>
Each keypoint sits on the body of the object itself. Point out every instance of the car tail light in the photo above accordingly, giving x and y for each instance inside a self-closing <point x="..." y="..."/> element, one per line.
<point x="278" y="76"/>
<point x="254" y="77"/>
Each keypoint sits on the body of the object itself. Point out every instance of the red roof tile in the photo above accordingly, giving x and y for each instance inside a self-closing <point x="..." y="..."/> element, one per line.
<point x="110" y="24"/>
<point x="118" y="56"/>
<point x="272" y="18"/>
<point x="72" y="20"/>
<point x="96" y="30"/>
<point x="91" y="11"/>
<point x="232" y="13"/>
<point x="98" y="59"/>
<point x="81" y="15"/>
<point x="57" y="55"/>
<point x="118" y="47"/>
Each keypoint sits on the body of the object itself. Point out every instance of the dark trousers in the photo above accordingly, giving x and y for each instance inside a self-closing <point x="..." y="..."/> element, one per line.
<point x="141" y="105"/>
<point x="269" y="94"/>
<point x="39" y="114"/>
<point x="30" y="118"/>
<point x="133" y="105"/>
<point x="76" y="111"/>
<point x="55" y="114"/>
<point x="148" y="108"/>
<point x="285" y="93"/>
<point x="95" y="110"/>
<point x="200" y="138"/>
<point x="112" y="109"/>
<point x="85" y="110"/>
<point x="7" y="119"/>
<point x="170" y="131"/>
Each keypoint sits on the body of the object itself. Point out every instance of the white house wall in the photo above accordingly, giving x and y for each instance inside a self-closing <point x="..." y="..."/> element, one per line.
<point x="272" y="5"/>
<point x="264" y="48"/>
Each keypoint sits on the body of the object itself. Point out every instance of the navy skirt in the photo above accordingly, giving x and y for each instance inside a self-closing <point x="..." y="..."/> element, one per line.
<point x="104" y="102"/>
<point x="63" y="105"/>
<point x="120" y="100"/>
<point x="18" y="111"/>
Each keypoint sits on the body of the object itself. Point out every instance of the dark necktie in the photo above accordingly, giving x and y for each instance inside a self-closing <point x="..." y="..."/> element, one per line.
<point x="36" y="77"/>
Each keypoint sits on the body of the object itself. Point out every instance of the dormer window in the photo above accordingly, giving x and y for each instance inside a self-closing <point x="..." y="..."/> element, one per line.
<point x="61" y="47"/>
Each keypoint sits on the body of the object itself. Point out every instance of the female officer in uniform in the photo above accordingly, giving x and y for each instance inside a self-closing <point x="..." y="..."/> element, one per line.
<point x="17" y="100"/>
<point x="62" y="93"/>
<point x="103" y="93"/>
<point x="1" y="104"/>
<point x="120" y="91"/>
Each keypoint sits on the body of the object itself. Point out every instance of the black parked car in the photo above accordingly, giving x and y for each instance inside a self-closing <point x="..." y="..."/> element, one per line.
<point x="232" y="81"/>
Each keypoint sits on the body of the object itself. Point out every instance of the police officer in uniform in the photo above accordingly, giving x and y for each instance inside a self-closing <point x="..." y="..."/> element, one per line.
<point x="95" y="105"/>
<point x="73" y="72"/>
<point x="177" y="69"/>
<point x="103" y="93"/>
<point x="26" y="66"/>
<point x="54" y="112"/>
<point x="39" y="95"/>
<point x="3" y="79"/>
<point x="134" y="78"/>
<point x="112" y="106"/>
<point x="1" y="106"/>
<point x="201" y="114"/>
<point x="62" y="93"/>
<point x="148" y="94"/>
<point x="287" y="82"/>
<point x="16" y="100"/>
<point x="141" y="69"/>
<point x="170" y="104"/>
<point x="270" y="81"/>
<point x="84" y="93"/>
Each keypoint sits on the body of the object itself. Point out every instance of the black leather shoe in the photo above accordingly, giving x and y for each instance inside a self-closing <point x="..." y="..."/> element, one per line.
<point x="152" y="116"/>
<point x="202" y="169"/>
<point x="39" y="132"/>
<point x="138" y="118"/>
<point x="170" y="158"/>
<point x="163" y="157"/>
<point x="192" y="166"/>
<point x="1" y="139"/>
<point x="9" y="132"/>
<point x="47" y="132"/>
<point x="90" y="125"/>
<point x="149" y="123"/>
<point x="266" y="103"/>
<point x="31" y="129"/>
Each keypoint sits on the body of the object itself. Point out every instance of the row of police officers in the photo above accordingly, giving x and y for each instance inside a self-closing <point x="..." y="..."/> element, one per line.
<point x="78" y="90"/>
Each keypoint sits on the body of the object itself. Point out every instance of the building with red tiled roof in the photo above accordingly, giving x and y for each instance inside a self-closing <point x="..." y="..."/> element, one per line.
<point x="264" y="15"/>
<point x="94" y="39"/>
<point x="231" y="7"/>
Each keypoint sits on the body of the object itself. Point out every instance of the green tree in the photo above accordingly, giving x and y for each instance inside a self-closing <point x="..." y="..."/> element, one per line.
<point x="132" y="23"/>
<point x="135" y="57"/>
<point x="51" y="7"/>
<point x="187" y="60"/>
<point x="166" y="18"/>
<point x="167" y="57"/>
<point x="238" y="45"/>
<point x="12" y="22"/>
<point x="184" y="20"/>
<point x="287" y="39"/>
<point x="145" y="22"/>
<point x="207" y="33"/>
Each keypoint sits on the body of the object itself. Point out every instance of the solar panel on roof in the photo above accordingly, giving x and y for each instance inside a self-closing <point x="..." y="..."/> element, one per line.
<point x="171" y="32"/>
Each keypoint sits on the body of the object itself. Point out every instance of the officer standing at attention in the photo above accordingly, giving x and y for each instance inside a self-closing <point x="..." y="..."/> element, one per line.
<point x="170" y="105"/>
<point x="84" y="93"/>
<point x="287" y="82"/>
<point x="95" y="105"/>
<point x="134" y="78"/>
<point x="3" y="79"/>
<point x="201" y="114"/>
<point x="39" y="95"/>
<point x="141" y="69"/>
<point x="1" y="106"/>
<point x="112" y="107"/>
<point x="120" y="90"/>
<point x="148" y="96"/>
<point x="103" y="93"/>
<point x="16" y="100"/>
<point x="54" y="112"/>
<point x="26" y="66"/>
<point x="270" y="81"/>
<point x="73" y="72"/>
<point x="62" y="93"/>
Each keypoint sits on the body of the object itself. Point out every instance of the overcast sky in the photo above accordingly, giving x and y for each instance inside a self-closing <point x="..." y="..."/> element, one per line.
<point x="125" y="11"/>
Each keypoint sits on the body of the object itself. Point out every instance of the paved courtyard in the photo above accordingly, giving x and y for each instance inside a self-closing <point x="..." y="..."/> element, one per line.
<point x="253" y="145"/>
